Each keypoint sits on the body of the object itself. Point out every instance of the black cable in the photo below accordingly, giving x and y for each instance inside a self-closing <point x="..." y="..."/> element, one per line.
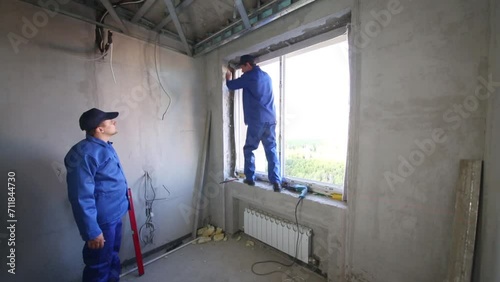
<point x="273" y="261"/>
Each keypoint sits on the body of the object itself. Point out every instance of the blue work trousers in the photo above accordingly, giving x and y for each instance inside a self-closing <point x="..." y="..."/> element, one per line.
<point x="265" y="133"/>
<point x="103" y="265"/>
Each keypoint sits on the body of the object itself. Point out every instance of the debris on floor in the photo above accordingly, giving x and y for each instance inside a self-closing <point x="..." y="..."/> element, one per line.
<point x="204" y="240"/>
<point x="250" y="243"/>
<point x="209" y="232"/>
<point x="218" y="237"/>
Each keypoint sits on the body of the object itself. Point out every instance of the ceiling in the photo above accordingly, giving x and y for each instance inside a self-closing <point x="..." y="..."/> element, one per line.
<point x="198" y="18"/>
<point x="192" y="27"/>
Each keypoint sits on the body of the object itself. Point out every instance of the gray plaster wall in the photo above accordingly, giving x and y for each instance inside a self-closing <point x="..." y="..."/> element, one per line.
<point x="416" y="114"/>
<point x="44" y="89"/>
<point x="488" y="250"/>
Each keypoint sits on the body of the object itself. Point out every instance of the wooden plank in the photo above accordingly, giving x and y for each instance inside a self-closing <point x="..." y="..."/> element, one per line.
<point x="465" y="222"/>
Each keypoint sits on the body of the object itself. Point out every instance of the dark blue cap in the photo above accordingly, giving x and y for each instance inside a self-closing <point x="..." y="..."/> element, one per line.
<point x="247" y="59"/>
<point x="93" y="117"/>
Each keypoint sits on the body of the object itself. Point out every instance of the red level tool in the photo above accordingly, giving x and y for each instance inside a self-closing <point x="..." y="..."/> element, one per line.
<point x="135" y="234"/>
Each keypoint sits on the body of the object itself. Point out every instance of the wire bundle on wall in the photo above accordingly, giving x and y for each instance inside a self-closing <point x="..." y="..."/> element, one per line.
<point x="147" y="230"/>
<point x="99" y="30"/>
<point x="99" y="35"/>
<point x="107" y="47"/>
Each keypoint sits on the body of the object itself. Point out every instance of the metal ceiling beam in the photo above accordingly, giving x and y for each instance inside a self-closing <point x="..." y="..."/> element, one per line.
<point x="114" y="15"/>
<point x="177" y="23"/>
<point x="143" y="10"/>
<point x="142" y="37"/>
<point x="235" y="30"/>
<point x="178" y="10"/>
<point x="144" y="23"/>
<point x="243" y="13"/>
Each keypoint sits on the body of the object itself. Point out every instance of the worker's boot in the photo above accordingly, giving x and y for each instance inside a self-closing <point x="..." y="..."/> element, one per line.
<point x="249" y="182"/>
<point x="277" y="187"/>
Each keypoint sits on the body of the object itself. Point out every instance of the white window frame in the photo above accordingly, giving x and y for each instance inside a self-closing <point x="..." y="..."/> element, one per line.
<point x="314" y="186"/>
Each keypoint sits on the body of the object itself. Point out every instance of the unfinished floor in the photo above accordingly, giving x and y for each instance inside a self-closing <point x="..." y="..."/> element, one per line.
<point x="229" y="260"/>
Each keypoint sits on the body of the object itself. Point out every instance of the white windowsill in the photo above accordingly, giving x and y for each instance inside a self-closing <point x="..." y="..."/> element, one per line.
<point x="309" y="197"/>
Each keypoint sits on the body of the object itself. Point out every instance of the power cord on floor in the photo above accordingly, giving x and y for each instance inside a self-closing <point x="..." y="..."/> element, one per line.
<point x="277" y="262"/>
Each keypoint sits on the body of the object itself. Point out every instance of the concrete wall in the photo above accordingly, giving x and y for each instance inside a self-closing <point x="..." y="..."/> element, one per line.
<point x="415" y="82"/>
<point x="44" y="89"/>
<point x="488" y="250"/>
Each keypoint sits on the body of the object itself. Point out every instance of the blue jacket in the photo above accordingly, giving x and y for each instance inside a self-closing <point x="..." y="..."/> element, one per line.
<point x="258" y="100"/>
<point x="97" y="188"/>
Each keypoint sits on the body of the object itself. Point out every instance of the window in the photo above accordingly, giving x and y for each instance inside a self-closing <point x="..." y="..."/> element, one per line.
<point x="311" y="91"/>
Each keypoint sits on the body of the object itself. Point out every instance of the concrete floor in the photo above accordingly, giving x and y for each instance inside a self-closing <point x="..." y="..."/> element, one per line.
<point x="229" y="260"/>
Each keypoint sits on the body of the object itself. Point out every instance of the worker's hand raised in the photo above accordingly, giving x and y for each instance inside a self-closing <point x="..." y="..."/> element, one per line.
<point x="97" y="243"/>
<point x="229" y="74"/>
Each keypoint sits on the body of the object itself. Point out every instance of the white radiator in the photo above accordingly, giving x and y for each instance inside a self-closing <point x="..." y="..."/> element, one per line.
<point x="279" y="233"/>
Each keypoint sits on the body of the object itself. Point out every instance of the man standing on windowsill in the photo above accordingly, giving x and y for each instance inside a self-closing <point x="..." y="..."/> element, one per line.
<point x="260" y="117"/>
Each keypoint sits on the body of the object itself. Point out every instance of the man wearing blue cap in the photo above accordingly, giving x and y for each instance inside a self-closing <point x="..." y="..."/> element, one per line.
<point x="97" y="191"/>
<point x="260" y="117"/>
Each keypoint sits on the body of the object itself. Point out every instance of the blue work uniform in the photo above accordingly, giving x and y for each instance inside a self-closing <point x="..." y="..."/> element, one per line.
<point x="260" y="117"/>
<point x="97" y="191"/>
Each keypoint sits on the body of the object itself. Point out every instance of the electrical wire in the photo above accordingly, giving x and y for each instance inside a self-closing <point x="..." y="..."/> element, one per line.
<point x="111" y="62"/>
<point x="158" y="76"/>
<point x="277" y="262"/>
<point x="103" y="17"/>
<point x="100" y="38"/>
<point x="149" y="226"/>
<point x="103" y="48"/>
<point x="93" y="59"/>
<point x="120" y="4"/>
